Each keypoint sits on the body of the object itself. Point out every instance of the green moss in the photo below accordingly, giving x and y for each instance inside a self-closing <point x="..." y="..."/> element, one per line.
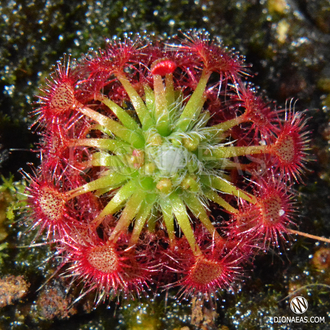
<point x="16" y="198"/>
<point x="11" y="202"/>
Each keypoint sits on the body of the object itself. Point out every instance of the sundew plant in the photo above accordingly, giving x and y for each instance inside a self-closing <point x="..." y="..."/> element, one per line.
<point x="142" y="143"/>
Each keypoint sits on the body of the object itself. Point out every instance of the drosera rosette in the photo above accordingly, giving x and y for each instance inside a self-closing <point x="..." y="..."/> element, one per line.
<point x="145" y="133"/>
